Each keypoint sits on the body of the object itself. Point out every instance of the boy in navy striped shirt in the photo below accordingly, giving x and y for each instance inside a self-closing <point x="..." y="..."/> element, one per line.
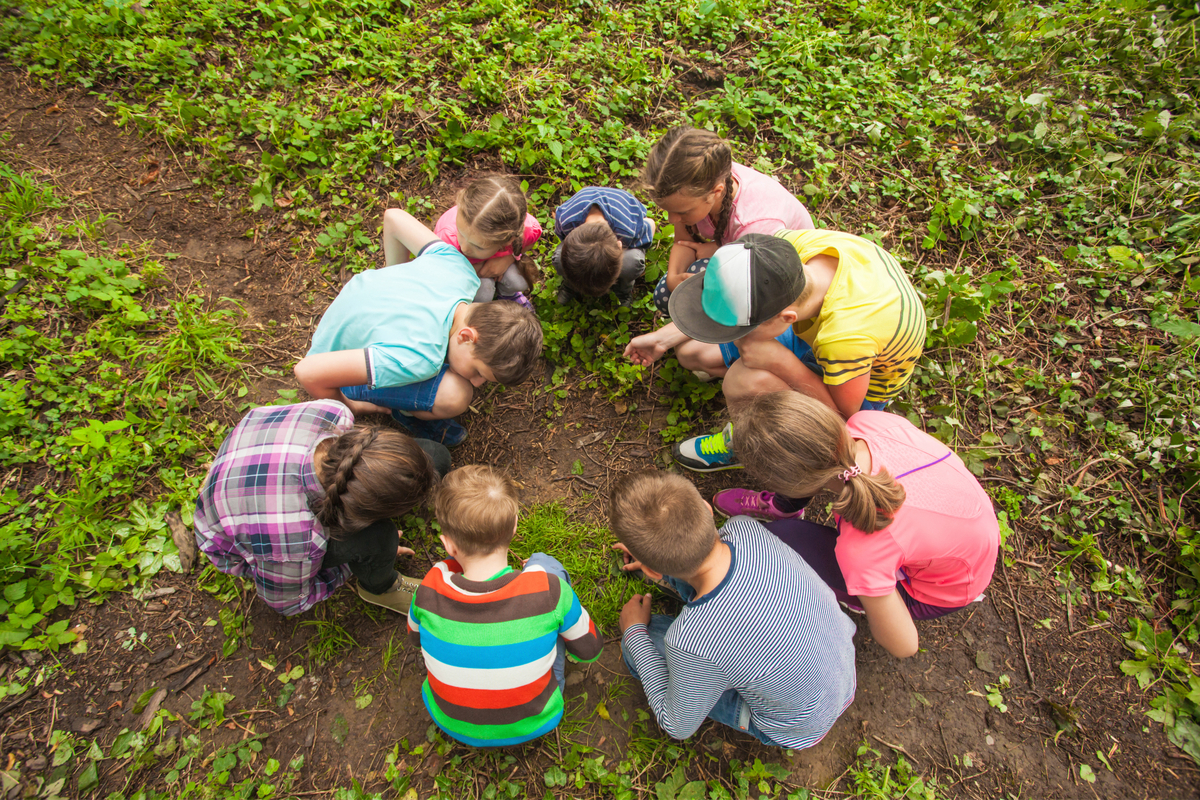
<point x="760" y="644"/>
<point x="605" y="233"/>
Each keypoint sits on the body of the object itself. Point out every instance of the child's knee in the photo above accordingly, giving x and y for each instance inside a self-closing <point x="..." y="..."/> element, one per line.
<point x="698" y="355"/>
<point x="742" y="383"/>
<point x="453" y="396"/>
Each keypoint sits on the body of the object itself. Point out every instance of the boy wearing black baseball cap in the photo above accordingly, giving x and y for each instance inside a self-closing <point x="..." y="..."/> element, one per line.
<point x="826" y="313"/>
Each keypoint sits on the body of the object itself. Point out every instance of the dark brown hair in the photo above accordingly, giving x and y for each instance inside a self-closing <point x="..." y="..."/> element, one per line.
<point x="496" y="208"/>
<point x="692" y="161"/>
<point x="510" y="339"/>
<point x="591" y="259"/>
<point x="477" y="508"/>
<point x="370" y="473"/>
<point x="795" y="445"/>
<point x="663" y="521"/>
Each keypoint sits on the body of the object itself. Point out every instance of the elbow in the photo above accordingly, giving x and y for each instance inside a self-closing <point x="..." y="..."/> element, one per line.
<point x="903" y="650"/>
<point x="304" y="374"/>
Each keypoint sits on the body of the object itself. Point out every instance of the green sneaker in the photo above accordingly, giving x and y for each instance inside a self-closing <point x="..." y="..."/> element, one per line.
<point x="398" y="598"/>
<point x="711" y="453"/>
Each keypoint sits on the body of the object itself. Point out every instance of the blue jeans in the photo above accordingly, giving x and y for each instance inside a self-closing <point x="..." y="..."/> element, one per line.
<point x="412" y="397"/>
<point x="554" y="567"/>
<point x="731" y="709"/>
<point x="803" y="351"/>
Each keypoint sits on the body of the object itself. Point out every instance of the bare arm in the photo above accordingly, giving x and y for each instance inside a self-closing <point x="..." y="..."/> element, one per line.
<point x="683" y="253"/>
<point x="324" y="374"/>
<point x="848" y="397"/>
<point x="495" y="267"/>
<point x="403" y="234"/>
<point x="649" y="347"/>
<point x="773" y="357"/>
<point x="891" y="624"/>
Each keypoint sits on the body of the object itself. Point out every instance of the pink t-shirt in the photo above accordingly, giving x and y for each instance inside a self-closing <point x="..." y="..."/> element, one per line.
<point x="446" y="229"/>
<point x="943" y="540"/>
<point x="761" y="205"/>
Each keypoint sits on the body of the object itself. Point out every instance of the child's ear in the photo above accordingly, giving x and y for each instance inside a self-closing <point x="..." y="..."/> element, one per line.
<point x="467" y="335"/>
<point x="651" y="574"/>
<point x="449" y="546"/>
<point x="788" y="315"/>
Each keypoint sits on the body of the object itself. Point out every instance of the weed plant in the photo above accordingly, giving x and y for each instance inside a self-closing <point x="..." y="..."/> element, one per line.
<point x="1032" y="166"/>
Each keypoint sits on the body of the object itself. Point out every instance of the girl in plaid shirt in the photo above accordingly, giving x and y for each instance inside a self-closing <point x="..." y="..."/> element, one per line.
<point x="299" y="497"/>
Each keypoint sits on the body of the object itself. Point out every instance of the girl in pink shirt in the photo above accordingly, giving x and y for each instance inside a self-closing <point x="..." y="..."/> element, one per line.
<point x="916" y="535"/>
<point x="711" y="201"/>
<point x="491" y="226"/>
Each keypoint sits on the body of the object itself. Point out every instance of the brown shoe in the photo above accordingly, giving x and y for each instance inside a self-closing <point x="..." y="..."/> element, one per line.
<point x="398" y="598"/>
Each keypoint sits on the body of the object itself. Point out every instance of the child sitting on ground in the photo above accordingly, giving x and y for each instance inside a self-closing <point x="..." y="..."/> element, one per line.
<point x="760" y="645"/>
<point x="407" y="340"/>
<point x="711" y="200"/>
<point x="820" y="312"/>
<point x="907" y="507"/>
<point x="490" y="224"/>
<point x="494" y="639"/>
<point x="605" y="233"/>
<point x="299" y="497"/>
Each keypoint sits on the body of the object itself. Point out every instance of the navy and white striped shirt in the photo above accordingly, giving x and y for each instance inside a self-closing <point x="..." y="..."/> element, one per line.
<point x="771" y="630"/>
<point x="623" y="212"/>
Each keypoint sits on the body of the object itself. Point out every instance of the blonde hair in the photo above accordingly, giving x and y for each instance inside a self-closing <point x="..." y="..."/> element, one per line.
<point x="509" y="342"/>
<point x="692" y="161"/>
<point x="496" y="208"/>
<point x="795" y="445"/>
<point x="477" y="508"/>
<point x="663" y="521"/>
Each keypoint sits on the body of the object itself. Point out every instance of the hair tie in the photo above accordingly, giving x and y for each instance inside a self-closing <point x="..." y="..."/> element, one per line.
<point x="853" y="472"/>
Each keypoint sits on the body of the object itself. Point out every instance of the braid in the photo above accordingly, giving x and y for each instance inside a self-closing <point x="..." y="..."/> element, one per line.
<point x="695" y="232"/>
<point x="726" y="210"/>
<point x="333" y="510"/>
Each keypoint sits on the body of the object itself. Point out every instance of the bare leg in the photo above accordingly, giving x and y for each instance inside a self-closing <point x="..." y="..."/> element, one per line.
<point x="359" y="407"/>
<point x="742" y="383"/>
<point x="453" y="396"/>
<point x="698" y="355"/>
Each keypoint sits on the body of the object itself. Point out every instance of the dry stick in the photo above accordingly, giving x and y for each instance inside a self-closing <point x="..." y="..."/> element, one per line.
<point x="1020" y="629"/>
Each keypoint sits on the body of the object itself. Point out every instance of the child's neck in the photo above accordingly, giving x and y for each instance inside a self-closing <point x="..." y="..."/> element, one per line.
<point x="483" y="567"/>
<point x="715" y="212"/>
<point x="594" y="215"/>
<point x="819" y="272"/>
<point x="460" y="318"/>
<point x="712" y="570"/>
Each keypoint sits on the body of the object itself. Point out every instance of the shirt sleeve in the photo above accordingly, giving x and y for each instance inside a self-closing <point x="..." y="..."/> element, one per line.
<point x="446" y="228"/>
<point x="291" y="587"/>
<point x="868" y="562"/>
<point x="579" y="633"/>
<point x="681" y="688"/>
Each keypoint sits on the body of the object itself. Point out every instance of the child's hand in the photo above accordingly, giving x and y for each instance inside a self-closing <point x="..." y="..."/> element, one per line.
<point x="495" y="267"/>
<point x="404" y="551"/>
<point x="644" y="350"/>
<point x="637" y="610"/>
<point x="630" y="563"/>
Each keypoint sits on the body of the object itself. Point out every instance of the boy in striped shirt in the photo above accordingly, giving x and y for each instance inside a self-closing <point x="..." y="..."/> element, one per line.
<point x="760" y="645"/>
<point x="494" y="639"/>
<point x="605" y="233"/>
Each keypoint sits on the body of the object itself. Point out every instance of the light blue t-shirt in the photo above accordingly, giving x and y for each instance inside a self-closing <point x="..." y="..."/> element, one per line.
<point x="401" y="315"/>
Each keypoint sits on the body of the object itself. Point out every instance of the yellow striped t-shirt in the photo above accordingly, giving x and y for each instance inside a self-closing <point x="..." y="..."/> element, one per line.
<point x="872" y="319"/>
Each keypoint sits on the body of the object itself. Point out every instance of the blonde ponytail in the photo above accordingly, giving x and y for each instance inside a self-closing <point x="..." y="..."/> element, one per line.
<point x="796" y="445"/>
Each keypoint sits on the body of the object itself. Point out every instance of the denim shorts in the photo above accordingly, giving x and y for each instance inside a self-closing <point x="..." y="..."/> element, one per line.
<point x="803" y="351"/>
<point x="411" y="397"/>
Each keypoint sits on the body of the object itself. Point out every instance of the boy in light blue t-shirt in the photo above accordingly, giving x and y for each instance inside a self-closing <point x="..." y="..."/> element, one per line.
<point x="408" y="341"/>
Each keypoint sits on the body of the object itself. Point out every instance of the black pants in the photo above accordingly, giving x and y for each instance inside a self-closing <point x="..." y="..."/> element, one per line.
<point x="371" y="552"/>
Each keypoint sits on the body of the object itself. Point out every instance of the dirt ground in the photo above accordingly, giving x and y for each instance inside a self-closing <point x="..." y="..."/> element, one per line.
<point x="922" y="707"/>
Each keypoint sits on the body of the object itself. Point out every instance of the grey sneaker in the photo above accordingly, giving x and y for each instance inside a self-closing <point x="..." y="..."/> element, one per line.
<point x="398" y="598"/>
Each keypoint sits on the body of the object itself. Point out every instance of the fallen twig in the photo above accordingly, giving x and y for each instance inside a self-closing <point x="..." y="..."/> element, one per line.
<point x="1020" y="629"/>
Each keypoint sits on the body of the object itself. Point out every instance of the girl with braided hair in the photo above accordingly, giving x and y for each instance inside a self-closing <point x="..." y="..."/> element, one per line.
<point x="711" y="200"/>
<point x="916" y="536"/>
<point x="299" y="498"/>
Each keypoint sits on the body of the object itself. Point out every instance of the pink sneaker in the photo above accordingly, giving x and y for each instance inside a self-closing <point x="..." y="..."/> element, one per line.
<point x="760" y="505"/>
